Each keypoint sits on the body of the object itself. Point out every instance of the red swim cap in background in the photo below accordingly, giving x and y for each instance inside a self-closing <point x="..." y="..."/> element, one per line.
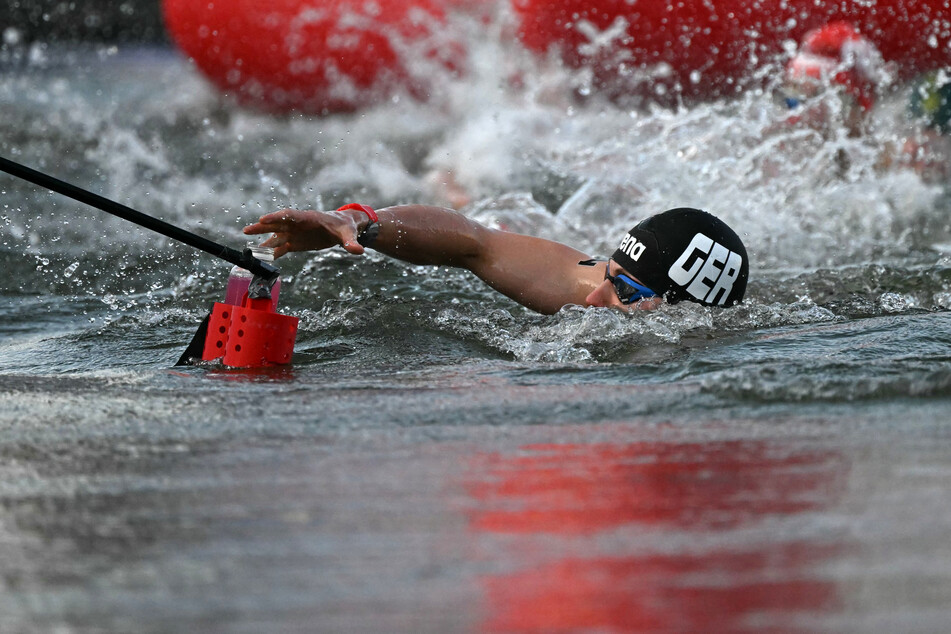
<point x="838" y="53"/>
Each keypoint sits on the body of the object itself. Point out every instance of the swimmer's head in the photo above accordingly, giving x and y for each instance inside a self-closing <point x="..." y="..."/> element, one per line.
<point x="686" y="254"/>
<point x="837" y="54"/>
<point x="930" y="100"/>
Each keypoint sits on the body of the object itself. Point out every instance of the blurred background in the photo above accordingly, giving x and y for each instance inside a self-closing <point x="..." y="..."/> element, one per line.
<point x="90" y="20"/>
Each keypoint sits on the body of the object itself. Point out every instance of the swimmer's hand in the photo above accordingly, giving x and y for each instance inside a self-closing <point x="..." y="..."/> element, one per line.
<point x="296" y="230"/>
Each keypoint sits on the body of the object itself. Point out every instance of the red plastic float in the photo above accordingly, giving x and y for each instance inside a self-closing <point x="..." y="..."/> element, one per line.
<point x="311" y="55"/>
<point x="703" y="49"/>
<point x="249" y="336"/>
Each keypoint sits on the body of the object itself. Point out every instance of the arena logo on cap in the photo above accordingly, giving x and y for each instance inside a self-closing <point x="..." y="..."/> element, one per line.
<point x="707" y="269"/>
<point x="632" y="247"/>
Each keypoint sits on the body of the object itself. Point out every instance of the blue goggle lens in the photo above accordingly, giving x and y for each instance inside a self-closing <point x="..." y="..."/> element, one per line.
<point x="627" y="289"/>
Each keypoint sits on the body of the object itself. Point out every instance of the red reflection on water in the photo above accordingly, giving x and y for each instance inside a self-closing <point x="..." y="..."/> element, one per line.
<point x="678" y="593"/>
<point x="585" y="488"/>
<point x="701" y="490"/>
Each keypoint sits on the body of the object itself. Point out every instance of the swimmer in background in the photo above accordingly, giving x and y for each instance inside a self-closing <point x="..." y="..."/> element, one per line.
<point x="834" y="57"/>
<point x="927" y="149"/>
<point x="680" y="254"/>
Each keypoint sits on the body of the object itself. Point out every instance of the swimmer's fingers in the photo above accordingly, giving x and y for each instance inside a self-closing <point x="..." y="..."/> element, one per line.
<point x="279" y="243"/>
<point x="281" y="225"/>
<point x="276" y="222"/>
<point x="295" y="230"/>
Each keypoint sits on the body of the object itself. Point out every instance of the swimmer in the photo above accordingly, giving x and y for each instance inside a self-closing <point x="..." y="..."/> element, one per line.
<point x="927" y="149"/>
<point x="680" y="254"/>
<point x="833" y="56"/>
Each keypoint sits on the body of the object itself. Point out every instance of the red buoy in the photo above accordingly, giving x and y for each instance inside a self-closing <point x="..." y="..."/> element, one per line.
<point x="698" y="49"/>
<point x="315" y="56"/>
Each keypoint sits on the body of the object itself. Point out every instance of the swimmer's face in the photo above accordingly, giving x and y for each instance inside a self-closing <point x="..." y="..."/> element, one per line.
<point x="615" y="291"/>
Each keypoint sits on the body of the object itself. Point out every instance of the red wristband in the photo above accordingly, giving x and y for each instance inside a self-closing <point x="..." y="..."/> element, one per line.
<point x="364" y="208"/>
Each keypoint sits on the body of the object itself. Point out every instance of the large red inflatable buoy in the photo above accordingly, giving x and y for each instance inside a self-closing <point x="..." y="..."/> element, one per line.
<point x="315" y="56"/>
<point x="701" y="49"/>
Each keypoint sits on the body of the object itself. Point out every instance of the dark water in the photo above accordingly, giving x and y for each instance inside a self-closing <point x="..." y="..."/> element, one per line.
<point x="438" y="459"/>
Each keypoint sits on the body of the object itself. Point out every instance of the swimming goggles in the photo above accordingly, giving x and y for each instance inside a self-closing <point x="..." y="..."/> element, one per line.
<point x="626" y="288"/>
<point x="789" y="98"/>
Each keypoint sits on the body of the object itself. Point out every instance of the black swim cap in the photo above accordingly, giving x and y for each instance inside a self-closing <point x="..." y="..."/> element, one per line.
<point x="686" y="254"/>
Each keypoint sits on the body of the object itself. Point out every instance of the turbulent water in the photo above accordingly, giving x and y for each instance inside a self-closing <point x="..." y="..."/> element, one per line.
<point x="438" y="458"/>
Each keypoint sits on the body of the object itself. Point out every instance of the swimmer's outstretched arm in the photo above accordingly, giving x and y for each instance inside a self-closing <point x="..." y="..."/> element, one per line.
<point x="540" y="274"/>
